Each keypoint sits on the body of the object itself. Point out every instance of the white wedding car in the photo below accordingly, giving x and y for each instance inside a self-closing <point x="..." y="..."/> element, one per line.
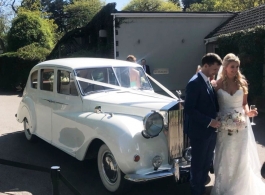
<point x="106" y="109"/>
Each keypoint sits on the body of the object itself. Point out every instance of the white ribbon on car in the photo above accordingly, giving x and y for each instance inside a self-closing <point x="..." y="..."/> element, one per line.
<point x="128" y="89"/>
<point x="162" y="87"/>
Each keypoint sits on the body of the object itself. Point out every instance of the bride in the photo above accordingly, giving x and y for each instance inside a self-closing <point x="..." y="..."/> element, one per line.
<point x="236" y="163"/>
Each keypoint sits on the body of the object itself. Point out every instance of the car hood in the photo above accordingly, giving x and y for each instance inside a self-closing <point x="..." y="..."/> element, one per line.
<point x="127" y="102"/>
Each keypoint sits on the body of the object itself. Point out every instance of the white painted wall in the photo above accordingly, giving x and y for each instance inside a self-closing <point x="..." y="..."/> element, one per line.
<point x="176" y="43"/>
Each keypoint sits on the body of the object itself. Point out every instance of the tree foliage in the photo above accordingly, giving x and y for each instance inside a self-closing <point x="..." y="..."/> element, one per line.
<point x="5" y="15"/>
<point x="177" y="2"/>
<point x="28" y="28"/>
<point x="225" y="5"/>
<point x="80" y="12"/>
<point x="56" y="12"/>
<point x="32" y="5"/>
<point x="151" y="5"/>
<point x="186" y="3"/>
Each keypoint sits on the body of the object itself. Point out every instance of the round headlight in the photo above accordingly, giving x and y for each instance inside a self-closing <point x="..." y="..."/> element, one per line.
<point x="153" y="125"/>
<point x="187" y="154"/>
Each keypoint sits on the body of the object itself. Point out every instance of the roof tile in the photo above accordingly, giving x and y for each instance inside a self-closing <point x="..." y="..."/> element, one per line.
<point x="244" y="20"/>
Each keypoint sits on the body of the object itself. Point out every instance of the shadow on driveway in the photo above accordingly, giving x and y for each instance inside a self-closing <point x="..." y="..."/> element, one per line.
<point x="83" y="175"/>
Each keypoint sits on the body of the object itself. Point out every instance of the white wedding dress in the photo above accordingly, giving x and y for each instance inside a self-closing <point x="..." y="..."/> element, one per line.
<point x="236" y="163"/>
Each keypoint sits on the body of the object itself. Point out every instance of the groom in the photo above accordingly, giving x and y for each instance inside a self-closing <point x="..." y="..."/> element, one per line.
<point x="200" y="123"/>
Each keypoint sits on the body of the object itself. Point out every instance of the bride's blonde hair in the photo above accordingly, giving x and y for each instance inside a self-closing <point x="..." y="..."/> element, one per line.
<point x="239" y="78"/>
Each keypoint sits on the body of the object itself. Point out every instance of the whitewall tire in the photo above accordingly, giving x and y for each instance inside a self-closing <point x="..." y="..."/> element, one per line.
<point x="29" y="136"/>
<point x="111" y="175"/>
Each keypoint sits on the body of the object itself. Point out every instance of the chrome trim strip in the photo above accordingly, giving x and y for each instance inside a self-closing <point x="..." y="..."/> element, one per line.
<point x="55" y="102"/>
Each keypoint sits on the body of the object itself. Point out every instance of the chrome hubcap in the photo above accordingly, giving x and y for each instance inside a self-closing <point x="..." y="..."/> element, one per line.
<point x="110" y="167"/>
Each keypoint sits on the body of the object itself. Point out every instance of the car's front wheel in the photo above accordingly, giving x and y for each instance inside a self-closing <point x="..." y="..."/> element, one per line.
<point x="111" y="175"/>
<point x="30" y="137"/>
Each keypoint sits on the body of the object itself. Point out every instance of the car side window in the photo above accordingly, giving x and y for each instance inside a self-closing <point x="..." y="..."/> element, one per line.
<point x="47" y="77"/>
<point x="104" y="75"/>
<point x="34" y="79"/>
<point x="66" y="83"/>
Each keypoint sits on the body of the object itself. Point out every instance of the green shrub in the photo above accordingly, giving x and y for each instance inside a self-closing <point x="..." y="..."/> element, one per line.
<point x="14" y="70"/>
<point x="27" y="28"/>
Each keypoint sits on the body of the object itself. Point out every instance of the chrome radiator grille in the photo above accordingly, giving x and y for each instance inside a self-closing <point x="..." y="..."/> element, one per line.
<point x="175" y="133"/>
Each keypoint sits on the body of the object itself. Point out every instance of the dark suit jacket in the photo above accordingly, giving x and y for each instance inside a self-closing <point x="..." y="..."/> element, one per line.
<point x="200" y="107"/>
<point x="147" y="69"/>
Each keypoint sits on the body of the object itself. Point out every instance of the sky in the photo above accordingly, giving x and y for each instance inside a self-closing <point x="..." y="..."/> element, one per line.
<point x="119" y="3"/>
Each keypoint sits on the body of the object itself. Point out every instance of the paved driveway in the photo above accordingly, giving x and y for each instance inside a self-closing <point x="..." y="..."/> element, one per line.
<point x="83" y="175"/>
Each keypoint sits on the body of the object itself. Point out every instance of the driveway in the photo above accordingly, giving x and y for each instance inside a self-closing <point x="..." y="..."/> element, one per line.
<point x="83" y="175"/>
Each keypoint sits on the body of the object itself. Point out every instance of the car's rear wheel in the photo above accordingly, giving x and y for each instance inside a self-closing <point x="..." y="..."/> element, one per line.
<point x="29" y="136"/>
<point x="111" y="175"/>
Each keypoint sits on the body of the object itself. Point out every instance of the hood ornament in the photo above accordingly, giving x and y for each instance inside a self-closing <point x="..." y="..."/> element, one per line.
<point x="179" y="94"/>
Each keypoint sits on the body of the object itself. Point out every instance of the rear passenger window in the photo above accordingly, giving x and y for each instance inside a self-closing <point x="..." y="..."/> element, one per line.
<point x="34" y="79"/>
<point x="66" y="84"/>
<point x="47" y="76"/>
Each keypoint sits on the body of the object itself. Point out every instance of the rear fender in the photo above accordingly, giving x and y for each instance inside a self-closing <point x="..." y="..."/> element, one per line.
<point x="27" y="110"/>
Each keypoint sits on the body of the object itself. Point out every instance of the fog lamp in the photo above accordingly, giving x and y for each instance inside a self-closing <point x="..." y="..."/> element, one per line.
<point x="157" y="162"/>
<point x="187" y="154"/>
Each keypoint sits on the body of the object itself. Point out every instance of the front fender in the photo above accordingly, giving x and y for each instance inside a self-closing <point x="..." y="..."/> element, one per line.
<point x="122" y="134"/>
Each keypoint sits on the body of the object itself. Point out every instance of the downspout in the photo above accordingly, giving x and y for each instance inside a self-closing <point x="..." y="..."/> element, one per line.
<point x="114" y="36"/>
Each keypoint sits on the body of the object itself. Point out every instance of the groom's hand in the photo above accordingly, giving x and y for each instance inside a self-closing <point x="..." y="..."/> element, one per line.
<point x="215" y="124"/>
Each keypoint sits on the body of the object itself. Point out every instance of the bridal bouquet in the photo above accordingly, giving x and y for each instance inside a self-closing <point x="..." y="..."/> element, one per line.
<point x="232" y="121"/>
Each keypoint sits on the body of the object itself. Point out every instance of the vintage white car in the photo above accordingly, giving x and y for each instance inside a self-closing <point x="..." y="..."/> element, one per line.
<point x="106" y="109"/>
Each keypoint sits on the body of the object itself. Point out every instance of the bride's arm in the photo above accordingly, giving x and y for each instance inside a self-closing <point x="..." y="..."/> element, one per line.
<point x="249" y="113"/>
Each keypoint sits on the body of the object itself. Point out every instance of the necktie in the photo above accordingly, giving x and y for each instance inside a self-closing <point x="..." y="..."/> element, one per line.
<point x="209" y="86"/>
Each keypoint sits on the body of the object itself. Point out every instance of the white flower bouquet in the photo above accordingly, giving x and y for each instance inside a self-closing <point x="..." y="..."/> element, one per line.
<point x="232" y="121"/>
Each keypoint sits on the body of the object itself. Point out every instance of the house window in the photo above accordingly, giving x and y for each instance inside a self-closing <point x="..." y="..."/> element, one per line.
<point x="47" y="76"/>
<point x="66" y="83"/>
<point x="34" y="79"/>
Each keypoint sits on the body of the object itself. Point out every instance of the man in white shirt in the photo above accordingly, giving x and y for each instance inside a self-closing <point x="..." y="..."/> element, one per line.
<point x="201" y="107"/>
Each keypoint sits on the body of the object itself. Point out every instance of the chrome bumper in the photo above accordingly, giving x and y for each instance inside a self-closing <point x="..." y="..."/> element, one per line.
<point x="176" y="171"/>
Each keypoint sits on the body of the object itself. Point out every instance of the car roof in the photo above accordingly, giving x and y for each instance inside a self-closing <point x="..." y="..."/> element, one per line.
<point x="78" y="63"/>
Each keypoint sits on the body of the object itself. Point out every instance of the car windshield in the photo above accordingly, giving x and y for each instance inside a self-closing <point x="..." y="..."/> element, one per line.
<point x="128" y="77"/>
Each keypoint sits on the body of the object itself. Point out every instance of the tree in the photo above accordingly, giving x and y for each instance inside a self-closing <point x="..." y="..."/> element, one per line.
<point x="225" y="5"/>
<point x="56" y="10"/>
<point x="30" y="28"/>
<point x="5" y="15"/>
<point x="80" y="12"/>
<point x="32" y="5"/>
<point x="175" y="2"/>
<point x="187" y="3"/>
<point x="151" y="5"/>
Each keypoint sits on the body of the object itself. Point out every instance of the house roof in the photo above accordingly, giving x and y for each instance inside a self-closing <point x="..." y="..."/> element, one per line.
<point x="136" y="14"/>
<point x="241" y="21"/>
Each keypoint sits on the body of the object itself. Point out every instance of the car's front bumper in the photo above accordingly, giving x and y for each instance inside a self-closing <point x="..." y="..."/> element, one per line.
<point x="178" y="170"/>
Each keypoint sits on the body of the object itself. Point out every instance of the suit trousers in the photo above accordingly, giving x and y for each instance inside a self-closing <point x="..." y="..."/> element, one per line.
<point x="202" y="156"/>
